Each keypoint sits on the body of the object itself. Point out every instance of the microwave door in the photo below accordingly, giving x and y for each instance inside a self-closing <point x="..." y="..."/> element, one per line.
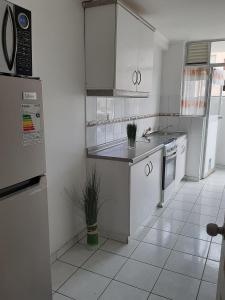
<point x="7" y="38"/>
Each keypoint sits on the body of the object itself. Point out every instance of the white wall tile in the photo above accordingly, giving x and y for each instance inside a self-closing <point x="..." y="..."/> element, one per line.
<point x="101" y="109"/>
<point x="124" y="129"/>
<point x="109" y="108"/>
<point x="122" y="106"/>
<point x="126" y="108"/>
<point x="140" y="127"/>
<point x="91" y="136"/>
<point x="118" y="107"/>
<point x="117" y="131"/>
<point x="109" y="133"/>
<point x="91" y="109"/>
<point x="101" y="135"/>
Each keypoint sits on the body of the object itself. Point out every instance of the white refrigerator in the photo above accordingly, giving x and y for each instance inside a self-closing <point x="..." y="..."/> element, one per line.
<point x="24" y="231"/>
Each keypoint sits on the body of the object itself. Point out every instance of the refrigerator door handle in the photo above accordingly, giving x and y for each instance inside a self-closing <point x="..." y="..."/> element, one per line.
<point x="18" y="187"/>
<point x="9" y="14"/>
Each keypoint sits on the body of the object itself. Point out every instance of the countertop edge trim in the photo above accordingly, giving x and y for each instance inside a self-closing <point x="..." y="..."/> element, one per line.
<point x="132" y="161"/>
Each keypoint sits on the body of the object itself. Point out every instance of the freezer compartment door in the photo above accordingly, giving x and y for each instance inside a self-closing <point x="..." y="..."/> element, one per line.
<point x="24" y="245"/>
<point x="22" y="153"/>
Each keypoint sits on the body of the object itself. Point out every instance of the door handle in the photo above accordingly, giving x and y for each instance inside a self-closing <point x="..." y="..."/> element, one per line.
<point x="9" y="13"/>
<point x="135" y="77"/>
<point x="214" y="230"/>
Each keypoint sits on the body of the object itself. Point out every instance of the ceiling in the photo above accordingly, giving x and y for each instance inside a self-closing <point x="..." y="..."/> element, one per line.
<point x="184" y="19"/>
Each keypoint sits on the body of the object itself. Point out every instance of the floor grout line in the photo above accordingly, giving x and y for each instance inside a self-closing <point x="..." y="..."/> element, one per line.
<point x="59" y="293"/>
<point x="118" y="272"/>
<point x="78" y="267"/>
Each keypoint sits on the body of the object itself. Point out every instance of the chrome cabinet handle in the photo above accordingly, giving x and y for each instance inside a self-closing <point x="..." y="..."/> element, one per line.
<point x="147" y="170"/>
<point x="151" y="167"/>
<point x="139" y="77"/>
<point x="135" y="77"/>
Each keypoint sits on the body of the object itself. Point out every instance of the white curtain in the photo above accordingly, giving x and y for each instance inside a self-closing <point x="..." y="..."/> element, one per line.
<point x="194" y="91"/>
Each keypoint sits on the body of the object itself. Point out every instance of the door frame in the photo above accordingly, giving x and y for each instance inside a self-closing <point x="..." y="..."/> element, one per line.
<point x="206" y="126"/>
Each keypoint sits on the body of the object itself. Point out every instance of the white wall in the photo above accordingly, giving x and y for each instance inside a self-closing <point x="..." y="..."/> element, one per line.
<point x="172" y="73"/>
<point x="58" y="60"/>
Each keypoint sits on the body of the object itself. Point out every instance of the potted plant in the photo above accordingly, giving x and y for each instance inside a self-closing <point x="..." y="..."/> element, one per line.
<point x="91" y="207"/>
<point x="131" y="134"/>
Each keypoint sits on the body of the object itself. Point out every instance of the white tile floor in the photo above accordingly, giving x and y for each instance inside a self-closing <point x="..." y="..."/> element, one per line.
<point x="170" y="257"/>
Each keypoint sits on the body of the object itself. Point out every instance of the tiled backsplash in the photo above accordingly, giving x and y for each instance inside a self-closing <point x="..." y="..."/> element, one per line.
<point x="103" y="109"/>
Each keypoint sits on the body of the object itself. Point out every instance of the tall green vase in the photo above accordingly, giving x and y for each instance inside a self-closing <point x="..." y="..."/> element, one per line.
<point x="92" y="235"/>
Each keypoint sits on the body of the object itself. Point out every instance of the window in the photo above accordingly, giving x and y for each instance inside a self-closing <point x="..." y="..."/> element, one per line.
<point x="217" y="52"/>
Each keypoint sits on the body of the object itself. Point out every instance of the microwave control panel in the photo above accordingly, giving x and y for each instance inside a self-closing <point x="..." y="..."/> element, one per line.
<point x="24" y="41"/>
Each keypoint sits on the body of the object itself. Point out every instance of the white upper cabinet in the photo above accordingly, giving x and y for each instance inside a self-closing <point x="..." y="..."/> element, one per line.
<point x="100" y="25"/>
<point x="126" y="51"/>
<point x="145" y="58"/>
<point x="118" y="51"/>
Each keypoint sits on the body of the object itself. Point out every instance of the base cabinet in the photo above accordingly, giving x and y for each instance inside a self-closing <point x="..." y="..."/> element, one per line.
<point x="145" y="189"/>
<point x="129" y="192"/>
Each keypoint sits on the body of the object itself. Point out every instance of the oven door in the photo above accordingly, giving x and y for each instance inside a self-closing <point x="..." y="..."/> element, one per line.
<point x="169" y="170"/>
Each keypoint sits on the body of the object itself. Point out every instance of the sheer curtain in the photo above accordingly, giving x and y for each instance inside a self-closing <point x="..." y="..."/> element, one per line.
<point x="194" y="91"/>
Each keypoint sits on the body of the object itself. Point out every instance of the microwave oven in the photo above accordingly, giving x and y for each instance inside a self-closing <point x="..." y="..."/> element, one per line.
<point x="15" y="40"/>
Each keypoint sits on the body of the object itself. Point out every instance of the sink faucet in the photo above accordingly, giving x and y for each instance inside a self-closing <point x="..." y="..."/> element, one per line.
<point x="147" y="132"/>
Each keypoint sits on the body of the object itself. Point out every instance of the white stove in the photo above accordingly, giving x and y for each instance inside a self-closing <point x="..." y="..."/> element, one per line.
<point x="170" y="147"/>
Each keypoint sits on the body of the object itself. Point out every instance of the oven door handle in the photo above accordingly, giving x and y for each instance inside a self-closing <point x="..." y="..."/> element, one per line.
<point x="171" y="156"/>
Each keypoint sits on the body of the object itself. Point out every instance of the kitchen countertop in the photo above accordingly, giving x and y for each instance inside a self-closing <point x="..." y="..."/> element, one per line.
<point x="144" y="148"/>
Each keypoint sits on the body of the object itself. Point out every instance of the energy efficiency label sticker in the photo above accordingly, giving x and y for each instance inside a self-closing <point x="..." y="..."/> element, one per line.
<point x="31" y="115"/>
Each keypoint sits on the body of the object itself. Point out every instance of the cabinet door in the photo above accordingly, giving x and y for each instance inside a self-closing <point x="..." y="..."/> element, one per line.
<point x="181" y="160"/>
<point x="145" y="58"/>
<point x="145" y="189"/>
<point x="100" y="30"/>
<point x="126" y="50"/>
<point x="155" y="178"/>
